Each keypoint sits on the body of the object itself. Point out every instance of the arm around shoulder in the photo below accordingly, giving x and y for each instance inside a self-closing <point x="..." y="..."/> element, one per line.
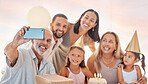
<point x="90" y="64"/>
<point x="87" y="72"/>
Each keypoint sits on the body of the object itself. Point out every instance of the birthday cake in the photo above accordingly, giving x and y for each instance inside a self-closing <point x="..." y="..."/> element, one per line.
<point x="97" y="80"/>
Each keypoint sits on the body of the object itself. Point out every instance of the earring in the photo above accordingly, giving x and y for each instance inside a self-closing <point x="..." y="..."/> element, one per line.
<point x="114" y="51"/>
<point x="93" y="29"/>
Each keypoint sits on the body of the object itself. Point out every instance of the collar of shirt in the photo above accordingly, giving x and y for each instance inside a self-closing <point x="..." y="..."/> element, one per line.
<point x="43" y="62"/>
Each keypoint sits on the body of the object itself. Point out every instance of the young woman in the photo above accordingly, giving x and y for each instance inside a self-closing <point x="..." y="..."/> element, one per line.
<point x="88" y="26"/>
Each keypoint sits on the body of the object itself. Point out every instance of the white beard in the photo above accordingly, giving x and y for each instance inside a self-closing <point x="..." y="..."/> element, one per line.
<point x="35" y="46"/>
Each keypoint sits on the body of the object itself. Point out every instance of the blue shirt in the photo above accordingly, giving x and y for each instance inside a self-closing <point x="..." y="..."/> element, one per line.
<point x="26" y="68"/>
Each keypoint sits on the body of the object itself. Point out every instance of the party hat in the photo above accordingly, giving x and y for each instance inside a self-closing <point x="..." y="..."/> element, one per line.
<point x="38" y="17"/>
<point x="79" y="42"/>
<point x="134" y="44"/>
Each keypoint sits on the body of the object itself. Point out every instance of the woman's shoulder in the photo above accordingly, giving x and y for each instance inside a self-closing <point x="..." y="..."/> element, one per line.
<point x="84" y="69"/>
<point x="87" y="72"/>
<point x="118" y="61"/>
<point x="90" y="64"/>
<point x="90" y="59"/>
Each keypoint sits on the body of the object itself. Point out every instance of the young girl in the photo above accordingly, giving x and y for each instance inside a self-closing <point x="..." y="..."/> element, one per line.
<point x="128" y="72"/>
<point x="75" y="67"/>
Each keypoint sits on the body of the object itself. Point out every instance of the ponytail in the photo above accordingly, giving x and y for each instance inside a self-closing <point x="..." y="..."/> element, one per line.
<point x="143" y="62"/>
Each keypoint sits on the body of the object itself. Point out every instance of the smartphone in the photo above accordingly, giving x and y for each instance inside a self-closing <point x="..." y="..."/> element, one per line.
<point x="34" y="33"/>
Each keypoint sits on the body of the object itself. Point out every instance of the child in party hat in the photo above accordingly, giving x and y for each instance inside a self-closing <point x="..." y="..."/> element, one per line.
<point x="129" y="72"/>
<point x="75" y="66"/>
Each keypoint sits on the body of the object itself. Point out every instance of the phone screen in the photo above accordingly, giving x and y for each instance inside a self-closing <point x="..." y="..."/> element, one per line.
<point x="34" y="33"/>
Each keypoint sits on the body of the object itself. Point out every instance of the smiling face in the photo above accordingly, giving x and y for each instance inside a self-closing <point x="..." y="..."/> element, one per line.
<point x="88" y="21"/>
<point x="108" y="44"/>
<point x="40" y="46"/>
<point x="129" y="58"/>
<point x="76" y="56"/>
<point x="59" y="27"/>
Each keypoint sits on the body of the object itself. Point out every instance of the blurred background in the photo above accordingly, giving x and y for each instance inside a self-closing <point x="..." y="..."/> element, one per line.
<point x="120" y="16"/>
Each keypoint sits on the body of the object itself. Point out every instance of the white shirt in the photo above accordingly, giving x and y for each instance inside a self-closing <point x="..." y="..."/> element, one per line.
<point x="48" y="55"/>
<point x="77" y="78"/>
<point x="130" y="77"/>
<point x="26" y="68"/>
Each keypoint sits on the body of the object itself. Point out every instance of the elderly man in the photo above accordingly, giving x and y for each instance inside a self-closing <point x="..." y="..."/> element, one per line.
<point x="24" y="64"/>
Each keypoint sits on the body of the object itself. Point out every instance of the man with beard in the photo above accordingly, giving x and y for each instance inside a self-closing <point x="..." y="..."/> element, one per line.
<point x="59" y="27"/>
<point x="24" y="64"/>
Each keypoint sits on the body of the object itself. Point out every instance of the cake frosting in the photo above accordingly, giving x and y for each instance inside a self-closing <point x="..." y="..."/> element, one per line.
<point x="97" y="81"/>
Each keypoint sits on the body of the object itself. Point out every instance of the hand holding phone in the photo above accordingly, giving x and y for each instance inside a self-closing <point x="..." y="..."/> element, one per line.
<point x="34" y="33"/>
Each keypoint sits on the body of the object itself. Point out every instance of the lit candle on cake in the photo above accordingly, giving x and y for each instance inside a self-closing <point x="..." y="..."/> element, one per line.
<point x="97" y="80"/>
<point x="102" y="80"/>
<point x="98" y="75"/>
<point x="95" y="75"/>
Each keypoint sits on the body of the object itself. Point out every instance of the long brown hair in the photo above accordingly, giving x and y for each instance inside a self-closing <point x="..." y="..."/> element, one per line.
<point x="94" y="34"/>
<point x="118" y="53"/>
<point x="82" y="64"/>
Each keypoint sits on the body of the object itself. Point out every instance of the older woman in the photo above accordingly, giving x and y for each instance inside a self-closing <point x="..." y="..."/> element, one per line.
<point x="106" y="59"/>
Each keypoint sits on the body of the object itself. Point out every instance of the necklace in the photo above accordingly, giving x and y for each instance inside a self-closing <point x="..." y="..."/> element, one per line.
<point x="108" y="62"/>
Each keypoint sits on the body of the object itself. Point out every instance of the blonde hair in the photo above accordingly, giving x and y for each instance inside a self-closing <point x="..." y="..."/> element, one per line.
<point x="118" y="53"/>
